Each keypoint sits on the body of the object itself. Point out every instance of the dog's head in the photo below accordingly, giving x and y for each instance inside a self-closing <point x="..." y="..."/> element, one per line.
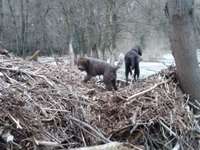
<point x="83" y="64"/>
<point x="138" y="50"/>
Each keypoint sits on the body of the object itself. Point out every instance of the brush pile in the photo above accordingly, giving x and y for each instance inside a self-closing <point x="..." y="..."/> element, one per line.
<point x="47" y="105"/>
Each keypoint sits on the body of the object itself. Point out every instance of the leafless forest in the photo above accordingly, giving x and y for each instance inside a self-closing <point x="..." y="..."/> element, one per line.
<point x="47" y="105"/>
<point x="94" y="27"/>
<point x="106" y="26"/>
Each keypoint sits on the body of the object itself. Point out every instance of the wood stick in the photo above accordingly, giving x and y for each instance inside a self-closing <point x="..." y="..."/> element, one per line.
<point x="16" y="121"/>
<point x="60" y="110"/>
<point x="111" y="146"/>
<point x="27" y="73"/>
<point x="46" y="143"/>
<point x="167" y="128"/>
<point x="82" y="123"/>
<point x="34" y="57"/>
<point x="36" y="104"/>
<point x="13" y="81"/>
<point x="129" y="99"/>
<point x="91" y="128"/>
<point x="176" y="147"/>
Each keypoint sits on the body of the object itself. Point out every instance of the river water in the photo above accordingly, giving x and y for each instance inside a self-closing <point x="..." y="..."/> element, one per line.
<point x="148" y="68"/>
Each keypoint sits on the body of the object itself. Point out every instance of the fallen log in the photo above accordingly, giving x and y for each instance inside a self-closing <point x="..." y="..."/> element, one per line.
<point x="46" y="143"/>
<point x="111" y="146"/>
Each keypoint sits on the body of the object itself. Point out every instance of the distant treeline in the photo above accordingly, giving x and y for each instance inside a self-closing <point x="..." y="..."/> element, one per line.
<point x="93" y="27"/>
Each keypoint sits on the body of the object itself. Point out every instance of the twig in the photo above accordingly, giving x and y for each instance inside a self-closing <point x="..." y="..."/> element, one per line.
<point x="82" y="123"/>
<point x="197" y="103"/>
<point x="36" y="104"/>
<point x="46" y="143"/>
<point x="16" y="121"/>
<point x="197" y="116"/>
<point x="60" y="110"/>
<point x="27" y="73"/>
<point x="167" y="128"/>
<point x="83" y="139"/>
<point x="51" y="136"/>
<point x="134" y="116"/>
<point x="193" y="105"/>
<point x="13" y="81"/>
<point x="129" y="99"/>
<point x="176" y="147"/>
<point x="34" y="56"/>
<point x="91" y="128"/>
<point x="85" y="130"/>
<point x="111" y="146"/>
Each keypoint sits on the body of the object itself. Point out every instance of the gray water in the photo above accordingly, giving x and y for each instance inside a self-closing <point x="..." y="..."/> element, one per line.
<point x="148" y="68"/>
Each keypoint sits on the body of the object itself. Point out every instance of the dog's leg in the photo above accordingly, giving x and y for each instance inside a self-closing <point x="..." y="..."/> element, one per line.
<point x="136" y="71"/>
<point x="114" y="84"/>
<point x="127" y="71"/>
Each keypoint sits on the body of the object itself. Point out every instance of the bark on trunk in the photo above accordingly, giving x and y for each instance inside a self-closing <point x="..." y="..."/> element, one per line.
<point x="183" y="45"/>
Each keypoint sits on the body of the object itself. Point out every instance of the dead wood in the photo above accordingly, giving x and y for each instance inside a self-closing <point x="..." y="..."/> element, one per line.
<point x="48" y="102"/>
<point x="34" y="57"/>
<point x="145" y="91"/>
<point x="111" y="146"/>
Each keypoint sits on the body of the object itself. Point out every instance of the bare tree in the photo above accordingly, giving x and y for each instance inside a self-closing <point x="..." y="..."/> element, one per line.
<point x="1" y="20"/>
<point x="94" y="27"/>
<point x="23" y="28"/>
<point x="16" y="33"/>
<point x="183" y="45"/>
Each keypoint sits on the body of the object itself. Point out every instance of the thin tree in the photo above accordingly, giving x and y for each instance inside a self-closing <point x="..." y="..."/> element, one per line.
<point x="1" y="20"/>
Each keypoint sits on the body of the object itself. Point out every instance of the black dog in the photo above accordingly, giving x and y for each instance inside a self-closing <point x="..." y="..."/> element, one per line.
<point x="95" y="67"/>
<point x="132" y="59"/>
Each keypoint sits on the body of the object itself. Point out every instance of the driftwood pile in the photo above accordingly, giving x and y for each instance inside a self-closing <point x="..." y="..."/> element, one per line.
<point x="47" y="106"/>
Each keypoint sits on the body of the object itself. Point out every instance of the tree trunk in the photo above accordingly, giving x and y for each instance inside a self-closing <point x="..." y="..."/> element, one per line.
<point x="17" y="37"/>
<point x="67" y="28"/>
<point x="95" y="51"/>
<point x="1" y="20"/>
<point x="183" y="45"/>
<point x="44" y="29"/>
<point x="26" y="25"/>
<point x="22" y="27"/>
<point x="91" y="31"/>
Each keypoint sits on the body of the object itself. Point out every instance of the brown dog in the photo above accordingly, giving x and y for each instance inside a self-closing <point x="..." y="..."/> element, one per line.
<point x="95" y="67"/>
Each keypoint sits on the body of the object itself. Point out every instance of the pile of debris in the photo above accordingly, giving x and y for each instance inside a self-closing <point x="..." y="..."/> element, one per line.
<point x="45" y="105"/>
